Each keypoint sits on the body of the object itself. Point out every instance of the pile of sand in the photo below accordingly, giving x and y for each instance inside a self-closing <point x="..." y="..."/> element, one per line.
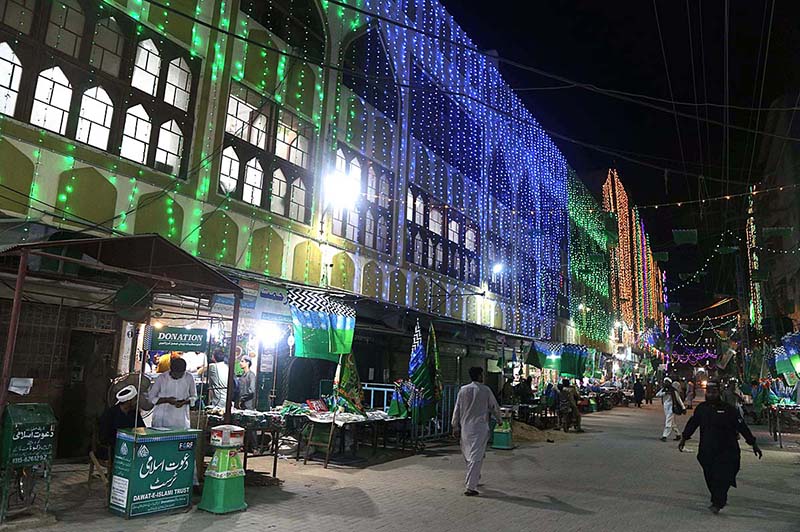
<point x="522" y="432"/>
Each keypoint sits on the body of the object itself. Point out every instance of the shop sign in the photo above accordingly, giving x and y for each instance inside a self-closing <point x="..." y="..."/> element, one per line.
<point x="179" y="339"/>
<point x="273" y="304"/>
<point x="223" y="304"/>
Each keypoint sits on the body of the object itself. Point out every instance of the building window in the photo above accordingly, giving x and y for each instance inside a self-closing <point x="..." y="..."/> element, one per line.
<point x="382" y="243"/>
<point x="437" y="265"/>
<point x="338" y="222"/>
<point x="169" y="148"/>
<point x="418" y="255"/>
<point x="65" y="28"/>
<point x="410" y="206"/>
<point x="435" y="221"/>
<point x="107" y="46"/>
<point x="247" y="120"/>
<point x="455" y="263"/>
<point x="341" y="161"/>
<point x="51" y="101"/>
<point x="18" y="14"/>
<point x="229" y="171"/>
<point x="94" y="122"/>
<point x="293" y="141"/>
<point x="10" y="74"/>
<point x="369" y="230"/>
<point x="136" y="135"/>
<point x="253" y="182"/>
<point x="431" y="251"/>
<point x="419" y="211"/>
<point x="471" y="240"/>
<point x="352" y="224"/>
<point x="277" y="201"/>
<point x="147" y="67"/>
<point x="297" y="207"/>
<point x="372" y="184"/>
<point x="179" y="84"/>
<point x="453" y="231"/>
<point x="385" y="192"/>
<point x="473" y="270"/>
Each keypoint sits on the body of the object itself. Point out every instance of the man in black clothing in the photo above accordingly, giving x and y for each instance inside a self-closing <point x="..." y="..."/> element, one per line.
<point x="638" y="392"/>
<point x="718" y="452"/>
<point x="123" y="415"/>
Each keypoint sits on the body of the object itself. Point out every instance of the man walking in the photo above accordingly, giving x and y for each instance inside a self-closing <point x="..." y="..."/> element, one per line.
<point x="718" y="454"/>
<point x="474" y="404"/>
<point x="673" y="406"/>
<point x="638" y="392"/>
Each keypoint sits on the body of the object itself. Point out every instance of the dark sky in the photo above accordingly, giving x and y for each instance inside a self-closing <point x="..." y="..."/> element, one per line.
<point x="615" y="45"/>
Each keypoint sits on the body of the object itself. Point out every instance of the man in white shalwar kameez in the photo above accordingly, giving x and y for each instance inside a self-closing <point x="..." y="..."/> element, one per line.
<point x="670" y="396"/>
<point x="474" y="405"/>
<point x="172" y="393"/>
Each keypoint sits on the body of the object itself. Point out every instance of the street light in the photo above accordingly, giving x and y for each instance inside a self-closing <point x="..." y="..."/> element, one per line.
<point x="342" y="190"/>
<point x="497" y="268"/>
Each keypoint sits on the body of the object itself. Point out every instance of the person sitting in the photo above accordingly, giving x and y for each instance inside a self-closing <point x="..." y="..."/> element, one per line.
<point x="123" y="415"/>
<point x="525" y="391"/>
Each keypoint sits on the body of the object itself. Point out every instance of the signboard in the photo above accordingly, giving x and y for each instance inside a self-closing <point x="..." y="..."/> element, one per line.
<point x="153" y="471"/>
<point x="179" y="339"/>
<point x="31" y="444"/>
<point x="260" y="302"/>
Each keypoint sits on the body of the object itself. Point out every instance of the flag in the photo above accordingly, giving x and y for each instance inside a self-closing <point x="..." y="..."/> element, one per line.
<point x="323" y="327"/>
<point x="398" y="408"/>
<point x="433" y="360"/>
<point x="545" y="355"/>
<point x="347" y="385"/>
<point x="423" y="403"/>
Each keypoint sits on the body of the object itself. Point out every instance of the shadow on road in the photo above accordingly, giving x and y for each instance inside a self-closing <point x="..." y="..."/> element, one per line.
<point x="548" y="503"/>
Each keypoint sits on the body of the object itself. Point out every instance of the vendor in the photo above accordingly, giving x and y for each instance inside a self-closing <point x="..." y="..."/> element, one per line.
<point x="247" y="385"/>
<point x="123" y="415"/>
<point x="172" y="393"/>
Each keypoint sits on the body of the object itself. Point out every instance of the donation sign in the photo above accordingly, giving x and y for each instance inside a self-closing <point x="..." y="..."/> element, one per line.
<point x="179" y="339"/>
<point x="153" y="472"/>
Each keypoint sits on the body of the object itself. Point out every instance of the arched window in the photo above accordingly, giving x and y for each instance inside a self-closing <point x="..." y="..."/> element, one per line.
<point x="372" y="184"/>
<point x="341" y="161"/>
<point x="107" y="46"/>
<point x="338" y="222"/>
<point x="431" y="252"/>
<point x="65" y="28"/>
<point x="293" y="140"/>
<point x="136" y="135"/>
<point x="385" y="192"/>
<point x="51" y="101"/>
<point x="10" y="75"/>
<point x="277" y="201"/>
<point x="418" y="254"/>
<point x="253" y="182"/>
<point x="355" y="168"/>
<point x="471" y="240"/>
<point x="352" y="224"/>
<point x="369" y="230"/>
<point x="453" y="231"/>
<point x="409" y="206"/>
<point x="147" y="67"/>
<point x="169" y="148"/>
<point x="419" y="210"/>
<point x="179" y="84"/>
<point x="94" y="122"/>
<point x="246" y="117"/>
<point x="437" y="265"/>
<point x="18" y="14"/>
<point x="435" y="221"/>
<point x="297" y="205"/>
<point x="455" y="263"/>
<point x="382" y="243"/>
<point x="229" y="171"/>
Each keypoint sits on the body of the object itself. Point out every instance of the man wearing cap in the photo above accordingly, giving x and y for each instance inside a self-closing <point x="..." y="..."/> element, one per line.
<point x="671" y="401"/>
<point x="123" y="415"/>
<point x="172" y="393"/>
<point x="719" y="454"/>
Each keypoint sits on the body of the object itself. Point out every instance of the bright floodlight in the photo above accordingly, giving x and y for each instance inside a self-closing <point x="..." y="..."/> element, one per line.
<point x="268" y="333"/>
<point x="342" y="190"/>
<point x="497" y="268"/>
<point x="617" y="324"/>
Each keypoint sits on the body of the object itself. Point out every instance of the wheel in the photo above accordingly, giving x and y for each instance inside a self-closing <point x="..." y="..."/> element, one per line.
<point x="22" y="492"/>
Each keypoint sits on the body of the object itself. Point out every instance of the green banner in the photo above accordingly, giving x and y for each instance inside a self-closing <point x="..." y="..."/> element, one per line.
<point x="178" y="339"/>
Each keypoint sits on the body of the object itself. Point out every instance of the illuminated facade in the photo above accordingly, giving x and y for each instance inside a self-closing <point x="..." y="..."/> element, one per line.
<point x="219" y="125"/>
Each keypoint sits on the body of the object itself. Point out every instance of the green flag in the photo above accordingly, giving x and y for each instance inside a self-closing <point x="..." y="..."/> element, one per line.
<point x="423" y="401"/>
<point x="347" y="385"/>
<point x="433" y="360"/>
<point x="323" y="326"/>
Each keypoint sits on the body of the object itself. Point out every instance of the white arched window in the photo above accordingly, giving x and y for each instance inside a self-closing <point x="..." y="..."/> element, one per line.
<point x="297" y="201"/>
<point x="352" y="224"/>
<point x="418" y="252"/>
<point x="372" y="184"/>
<point x="107" y="46"/>
<point x="293" y="139"/>
<point x="18" y="14"/>
<point x="179" y="84"/>
<point x="437" y="265"/>
<point x="51" y="101"/>
<point x="385" y="192"/>
<point x="435" y="221"/>
<point x="369" y="230"/>
<point x="65" y="28"/>
<point x="455" y="263"/>
<point x="382" y="242"/>
<point x="419" y="211"/>
<point x="341" y="161"/>
<point x="94" y="122"/>
<point x="147" y="67"/>
<point x="431" y="250"/>
<point x="453" y="231"/>
<point x="169" y="148"/>
<point x="471" y="240"/>
<point x="253" y="182"/>
<point x="355" y="168"/>
<point x="10" y="75"/>
<point x="277" y="202"/>
<point x="229" y="171"/>
<point x="136" y="135"/>
<point x="409" y="206"/>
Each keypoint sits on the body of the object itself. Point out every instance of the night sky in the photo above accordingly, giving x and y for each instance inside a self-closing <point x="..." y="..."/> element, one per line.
<point x="615" y="45"/>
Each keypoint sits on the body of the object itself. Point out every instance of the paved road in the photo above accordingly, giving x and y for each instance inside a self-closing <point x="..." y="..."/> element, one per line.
<point x="617" y="476"/>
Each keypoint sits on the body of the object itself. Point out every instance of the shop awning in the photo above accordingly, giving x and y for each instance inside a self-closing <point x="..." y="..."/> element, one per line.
<point x="151" y="260"/>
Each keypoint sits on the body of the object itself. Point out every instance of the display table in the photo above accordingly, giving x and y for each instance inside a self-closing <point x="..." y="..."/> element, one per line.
<point x="153" y="471"/>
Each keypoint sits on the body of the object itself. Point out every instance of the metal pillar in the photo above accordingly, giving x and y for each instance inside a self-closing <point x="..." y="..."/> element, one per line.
<point x="232" y="359"/>
<point x="13" y="324"/>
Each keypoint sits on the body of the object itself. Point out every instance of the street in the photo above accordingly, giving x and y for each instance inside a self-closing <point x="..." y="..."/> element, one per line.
<point x="616" y="476"/>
